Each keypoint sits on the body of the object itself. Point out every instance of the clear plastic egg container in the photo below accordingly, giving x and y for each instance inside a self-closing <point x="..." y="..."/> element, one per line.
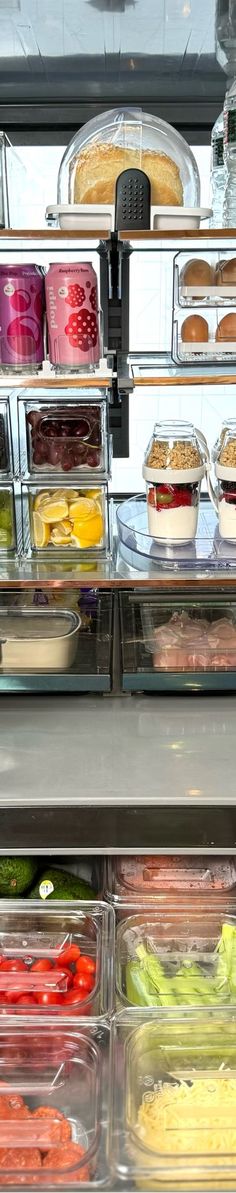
<point x="207" y="337"/>
<point x="61" y="520"/>
<point x="204" y="279"/>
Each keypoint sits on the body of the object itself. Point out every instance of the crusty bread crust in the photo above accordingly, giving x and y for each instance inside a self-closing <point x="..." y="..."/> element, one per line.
<point x="99" y="165"/>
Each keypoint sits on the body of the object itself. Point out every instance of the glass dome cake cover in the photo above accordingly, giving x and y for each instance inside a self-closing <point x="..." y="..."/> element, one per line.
<point x="121" y="139"/>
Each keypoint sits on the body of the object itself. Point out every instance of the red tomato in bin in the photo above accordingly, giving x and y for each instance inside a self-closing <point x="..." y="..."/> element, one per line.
<point x="85" y="964"/>
<point x="72" y="953"/>
<point x="84" y="983"/>
<point x="47" y="998"/>
<point x="12" y="965"/>
<point x="42" y="965"/>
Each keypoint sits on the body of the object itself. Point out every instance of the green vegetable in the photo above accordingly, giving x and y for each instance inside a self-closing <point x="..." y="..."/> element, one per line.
<point x="16" y="875"/>
<point x="64" y="886"/>
<point x="147" y="983"/>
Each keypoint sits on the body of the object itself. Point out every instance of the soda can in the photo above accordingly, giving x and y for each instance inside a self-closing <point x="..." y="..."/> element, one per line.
<point x="72" y="317"/>
<point x="21" y="318"/>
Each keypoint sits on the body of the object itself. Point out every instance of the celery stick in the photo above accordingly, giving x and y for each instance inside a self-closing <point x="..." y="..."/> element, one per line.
<point x="139" y="989"/>
<point x="155" y="971"/>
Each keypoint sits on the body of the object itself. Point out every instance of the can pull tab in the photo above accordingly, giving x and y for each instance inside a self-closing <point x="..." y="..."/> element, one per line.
<point x="132" y="201"/>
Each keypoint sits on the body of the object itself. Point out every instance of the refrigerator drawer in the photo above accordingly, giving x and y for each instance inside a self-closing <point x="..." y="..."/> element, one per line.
<point x="178" y="643"/>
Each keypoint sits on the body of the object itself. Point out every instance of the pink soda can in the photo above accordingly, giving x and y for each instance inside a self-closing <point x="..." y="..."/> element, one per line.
<point x="72" y="317"/>
<point x="21" y="318"/>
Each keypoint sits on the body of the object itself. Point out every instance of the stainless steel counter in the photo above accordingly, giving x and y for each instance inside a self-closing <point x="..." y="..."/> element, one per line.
<point x="78" y="774"/>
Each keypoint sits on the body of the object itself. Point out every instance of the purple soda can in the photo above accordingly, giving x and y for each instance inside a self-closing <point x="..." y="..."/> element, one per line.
<point x="21" y="318"/>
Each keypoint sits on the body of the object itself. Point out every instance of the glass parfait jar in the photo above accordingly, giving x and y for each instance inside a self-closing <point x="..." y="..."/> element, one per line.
<point x="223" y="497"/>
<point x="174" y="465"/>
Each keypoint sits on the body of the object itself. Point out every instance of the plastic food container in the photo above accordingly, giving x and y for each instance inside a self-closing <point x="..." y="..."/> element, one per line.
<point x="63" y="436"/>
<point x="7" y="520"/>
<point x="183" y="958"/>
<point x="62" y="519"/>
<point x="149" y="878"/>
<point x="209" y="337"/>
<point x="174" y="465"/>
<point x="204" y="279"/>
<point x="223" y="497"/>
<point x="194" y="637"/>
<point x="173" y="1100"/>
<point x="52" y="1103"/>
<point x="5" y="438"/>
<point x="121" y="139"/>
<point x="42" y="944"/>
<point x="38" y="639"/>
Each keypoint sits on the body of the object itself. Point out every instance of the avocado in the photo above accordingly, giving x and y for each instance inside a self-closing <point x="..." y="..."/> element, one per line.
<point x="16" y="875"/>
<point x="65" y="886"/>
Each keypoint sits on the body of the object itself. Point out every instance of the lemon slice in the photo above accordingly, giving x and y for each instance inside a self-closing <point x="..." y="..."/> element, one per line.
<point x="40" y="531"/>
<point x="41" y="497"/>
<point x="58" y="538"/>
<point x="82" y="508"/>
<point x="65" y="527"/>
<point x="88" y="533"/>
<point x="95" y="494"/>
<point x="65" y="495"/>
<point x="54" y="511"/>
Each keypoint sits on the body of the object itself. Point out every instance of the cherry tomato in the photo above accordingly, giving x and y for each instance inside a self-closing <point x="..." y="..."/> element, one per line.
<point x="69" y="955"/>
<point x="68" y="975"/>
<point x="42" y="965"/>
<point x="47" y="998"/>
<point x="11" y="996"/>
<point x="13" y="966"/>
<point x="74" y="996"/>
<point x="2" y="958"/>
<point x="83" y="982"/>
<point x="26" y="1000"/>
<point x="85" y="964"/>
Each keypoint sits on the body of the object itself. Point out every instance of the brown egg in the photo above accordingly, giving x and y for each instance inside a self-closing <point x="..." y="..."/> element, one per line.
<point x="226" y="329"/>
<point x="194" y="328"/>
<point x="226" y="272"/>
<point x="197" y="272"/>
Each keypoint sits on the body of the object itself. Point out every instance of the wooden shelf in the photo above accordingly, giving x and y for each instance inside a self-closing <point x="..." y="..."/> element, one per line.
<point x="53" y="234"/>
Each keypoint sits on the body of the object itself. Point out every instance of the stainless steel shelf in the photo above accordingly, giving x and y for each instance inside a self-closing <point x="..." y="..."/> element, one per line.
<point x="81" y="775"/>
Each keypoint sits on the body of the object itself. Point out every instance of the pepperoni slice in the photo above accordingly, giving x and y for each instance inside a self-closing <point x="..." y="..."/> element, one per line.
<point x="67" y="1156"/>
<point x="20" y="1158"/>
<point x="54" y="1114"/>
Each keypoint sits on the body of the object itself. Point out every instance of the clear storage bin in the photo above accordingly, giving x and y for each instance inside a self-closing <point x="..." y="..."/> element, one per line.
<point x="7" y="520"/>
<point x="204" y="280"/>
<point x="181" y="958"/>
<point x="52" y="1106"/>
<point x="122" y="139"/>
<point x="41" y="951"/>
<point x="61" y="520"/>
<point x="174" y="465"/>
<point x="173" y="1100"/>
<point x="223" y="497"/>
<point x="37" y="639"/>
<point x="209" y="337"/>
<point x="197" y="636"/>
<point x="63" y="436"/>
<point x="148" y="878"/>
<point x="6" y="464"/>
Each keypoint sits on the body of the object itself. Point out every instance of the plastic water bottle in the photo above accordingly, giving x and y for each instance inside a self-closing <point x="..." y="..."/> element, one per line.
<point x="229" y="216"/>
<point x="218" y="172"/>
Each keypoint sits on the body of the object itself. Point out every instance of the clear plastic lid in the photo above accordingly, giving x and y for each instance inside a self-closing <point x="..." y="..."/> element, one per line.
<point x="227" y="447"/>
<point x="176" y="451"/>
<point x="151" y="875"/>
<point x="126" y="138"/>
<point x="179" y="959"/>
<point x="229" y="424"/>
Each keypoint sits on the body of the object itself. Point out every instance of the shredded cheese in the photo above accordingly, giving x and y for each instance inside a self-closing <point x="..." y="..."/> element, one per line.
<point x="197" y="1119"/>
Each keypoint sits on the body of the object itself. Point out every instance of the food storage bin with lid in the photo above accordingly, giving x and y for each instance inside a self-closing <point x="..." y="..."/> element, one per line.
<point x="179" y="957"/>
<point x="60" y="435"/>
<point x="204" y="279"/>
<point x="60" y="519"/>
<point x="46" y="946"/>
<point x="121" y="139"/>
<point x="172" y="1122"/>
<point x="223" y="496"/>
<point x="205" y="337"/>
<point x="53" y="1105"/>
<point x="38" y="639"/>
<point x="174" y="464"/>
<point x="7" y="520"/>
<point x="149" y="878"/>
